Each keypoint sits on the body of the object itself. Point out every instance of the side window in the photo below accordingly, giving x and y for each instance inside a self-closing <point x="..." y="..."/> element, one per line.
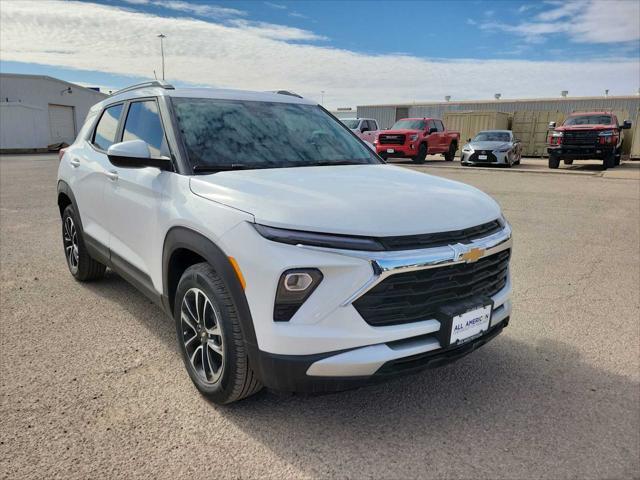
<point x="105" y="134"/>
<point x="143" y="123"/>
<point x="374" y="125"/>
<point x="439" y="125"/>
<point x="431" y="124"/>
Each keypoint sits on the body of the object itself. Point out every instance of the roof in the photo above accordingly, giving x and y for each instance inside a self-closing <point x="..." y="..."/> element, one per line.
<point x="52" y="79"/>
<point x="601" y="112"/>
<point x="214" y="93"/>
<point x="504" y="100"/>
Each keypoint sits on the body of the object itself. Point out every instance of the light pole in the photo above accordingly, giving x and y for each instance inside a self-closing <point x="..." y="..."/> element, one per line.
<point x="322" y="101"/>
<point x="162" y="36"/>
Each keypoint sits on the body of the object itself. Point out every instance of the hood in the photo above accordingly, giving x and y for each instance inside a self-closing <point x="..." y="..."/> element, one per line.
<point x="399" y="132"/>
<point x="370" y="200"/>
<point x="564" y="128"/>
<point x="488" y="145"/>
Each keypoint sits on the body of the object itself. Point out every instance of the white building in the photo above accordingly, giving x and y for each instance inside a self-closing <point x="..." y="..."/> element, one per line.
<point x="37" y="111"/>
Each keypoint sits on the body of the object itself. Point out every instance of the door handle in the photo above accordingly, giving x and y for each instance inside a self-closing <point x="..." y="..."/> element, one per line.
<point x="75" y="163"/>
<point x="112" y="175"/>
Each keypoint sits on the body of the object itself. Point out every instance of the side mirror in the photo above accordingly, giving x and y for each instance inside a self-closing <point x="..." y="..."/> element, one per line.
<point x="552" y="125"/>
<point x="135" y="154"/>
<point x="432" y="130"/>
<point x="469" y="140"/>
<point x="626" y="125"/>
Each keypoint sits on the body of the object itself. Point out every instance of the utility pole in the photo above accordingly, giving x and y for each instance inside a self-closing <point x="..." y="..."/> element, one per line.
<point x="162" y="36"/>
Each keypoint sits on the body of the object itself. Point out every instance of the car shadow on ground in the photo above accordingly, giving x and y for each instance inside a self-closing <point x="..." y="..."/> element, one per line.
<point x="538" y="405"/>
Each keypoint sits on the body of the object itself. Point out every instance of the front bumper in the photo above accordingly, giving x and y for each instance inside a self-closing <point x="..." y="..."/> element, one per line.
<point x="493" y="158"/>
<point x="581" y="152"/>
<point x="407" y="150"/>
<point x="327" y="345"/>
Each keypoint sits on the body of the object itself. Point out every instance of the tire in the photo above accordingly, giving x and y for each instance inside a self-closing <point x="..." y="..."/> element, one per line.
<point x="618" y="156"/>
<point x="554" y="162"/>
<point x="568" y="161"/>
<point x="609" y="161"/>
<point x="451" y="154"/>
<point x="212" y="328"/>
<point x="81" y="265"/>
<point x="422" y="154"/>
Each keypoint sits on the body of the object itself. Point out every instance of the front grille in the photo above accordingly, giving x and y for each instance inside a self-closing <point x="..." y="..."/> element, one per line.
<point x="413" y="296"/>
<point x="387" y="139"/>
<point x="491" y="158"/>
<point x="586" y="137"/>
<point x="430" y="240"/>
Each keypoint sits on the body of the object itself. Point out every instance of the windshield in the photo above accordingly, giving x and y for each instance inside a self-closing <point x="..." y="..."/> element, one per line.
<point x="351" y="123"/>
<point x="589" y="120"/>
<point x="409" y="125"/>
<point x="492" y="137"/>
<point x="250" y="134"/>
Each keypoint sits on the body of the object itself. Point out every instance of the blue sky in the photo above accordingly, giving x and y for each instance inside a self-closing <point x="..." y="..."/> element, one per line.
<point x="357" y="52"/>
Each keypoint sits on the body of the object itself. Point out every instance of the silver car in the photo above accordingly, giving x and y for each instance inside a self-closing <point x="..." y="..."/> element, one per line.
<point x="492" y="147"/>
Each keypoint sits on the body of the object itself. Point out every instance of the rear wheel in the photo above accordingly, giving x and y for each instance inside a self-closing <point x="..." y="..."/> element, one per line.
<point x="210" y="337"/>
<point x="81" y="265"/>
<point x="554" y="162"/>
<point x="422" y="154"/>
<point x="451" y="154"/>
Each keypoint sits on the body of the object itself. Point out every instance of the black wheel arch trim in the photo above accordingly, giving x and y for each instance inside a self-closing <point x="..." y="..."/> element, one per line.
<point x="185" y="238"/>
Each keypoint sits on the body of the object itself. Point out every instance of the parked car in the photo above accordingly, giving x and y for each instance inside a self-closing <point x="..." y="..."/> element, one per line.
<point x="273" y="238"/>
<point x="492" y="147"/>
<point x="365" y="128"/>
<point x="414" y="138"/>
<point x="587" y="135"/>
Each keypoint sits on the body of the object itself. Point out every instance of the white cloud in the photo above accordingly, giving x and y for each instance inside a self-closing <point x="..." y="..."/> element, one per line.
<point x="593" y="21"/>
<point x="262" y="57"/>
<point x="274" y="31"/>
<point x="210" y="11"/>
<point x="277" y="6"/>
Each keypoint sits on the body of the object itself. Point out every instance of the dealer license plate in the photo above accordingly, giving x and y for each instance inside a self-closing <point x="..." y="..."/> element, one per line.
<point x="390" y="150"/>
<point x="482" y="157"/>
<point x="470" y="324"/>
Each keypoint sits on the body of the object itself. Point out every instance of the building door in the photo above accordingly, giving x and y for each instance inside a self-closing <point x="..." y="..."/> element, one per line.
<point x="61" y="124"/>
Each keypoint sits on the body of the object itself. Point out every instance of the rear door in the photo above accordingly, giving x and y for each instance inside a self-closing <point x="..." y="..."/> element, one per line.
<point x="135" y="195"/>
<point x="443" y="144"/>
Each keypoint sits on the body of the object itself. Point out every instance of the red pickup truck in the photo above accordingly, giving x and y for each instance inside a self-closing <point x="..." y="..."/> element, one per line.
<point x="585" y="135"/>
<point x="414" y="138"/>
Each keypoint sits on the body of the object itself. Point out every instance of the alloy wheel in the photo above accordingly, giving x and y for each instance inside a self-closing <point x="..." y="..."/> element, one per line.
<point x="202" y="335"/>
<point x="70" y="241"/>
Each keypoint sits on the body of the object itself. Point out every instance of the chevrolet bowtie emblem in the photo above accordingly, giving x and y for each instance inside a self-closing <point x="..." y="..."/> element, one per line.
<point x="472" y="255"/>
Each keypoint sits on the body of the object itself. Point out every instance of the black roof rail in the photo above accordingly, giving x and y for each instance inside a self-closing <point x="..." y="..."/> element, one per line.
<point x="286" y="92"/>
<point x="153" y="83"/>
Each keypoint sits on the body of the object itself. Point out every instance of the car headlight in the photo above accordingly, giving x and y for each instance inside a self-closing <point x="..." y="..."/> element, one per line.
<point x="327" y="240"/>
<point x="557" y="134"/>
<point x="466" y="148"/>
<point x="413" y="137"/>
<point x="504" y="149"/>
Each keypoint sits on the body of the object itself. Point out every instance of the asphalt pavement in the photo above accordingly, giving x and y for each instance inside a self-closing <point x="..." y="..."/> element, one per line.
<point x="92" y="384"/>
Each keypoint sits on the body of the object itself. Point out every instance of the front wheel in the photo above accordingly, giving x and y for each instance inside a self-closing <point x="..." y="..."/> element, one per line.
<point x="81" y="265"/>
<point x="210" y="337"/>
<point x="554" y="162"/>
<point x="451" y="154"/>
<point x="422" y="154"/>
<point x="609" y="161"/>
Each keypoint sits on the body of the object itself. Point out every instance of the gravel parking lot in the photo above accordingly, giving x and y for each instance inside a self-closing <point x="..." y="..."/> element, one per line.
<point x="93" y="385"/>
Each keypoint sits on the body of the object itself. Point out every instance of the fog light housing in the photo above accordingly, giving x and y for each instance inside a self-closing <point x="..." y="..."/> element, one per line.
<point x="294" y="288"/>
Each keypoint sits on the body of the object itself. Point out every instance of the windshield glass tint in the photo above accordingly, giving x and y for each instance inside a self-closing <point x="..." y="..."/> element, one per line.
<point x="492" y="137"/>
<point x="265" y="135"/>
<point x="589" y="120"/>
<point x="351" y="123"/>
<point x="409" y="125"/>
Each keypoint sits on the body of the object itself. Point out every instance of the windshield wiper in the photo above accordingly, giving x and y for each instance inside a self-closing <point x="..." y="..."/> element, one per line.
<point x="219" y="168"/>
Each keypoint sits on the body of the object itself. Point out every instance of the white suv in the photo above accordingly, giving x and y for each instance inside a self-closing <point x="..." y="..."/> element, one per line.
<point x="287" y="252"/>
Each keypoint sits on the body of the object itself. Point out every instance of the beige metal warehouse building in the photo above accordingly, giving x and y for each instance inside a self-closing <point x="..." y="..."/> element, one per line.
<point x="37" y="111"/>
